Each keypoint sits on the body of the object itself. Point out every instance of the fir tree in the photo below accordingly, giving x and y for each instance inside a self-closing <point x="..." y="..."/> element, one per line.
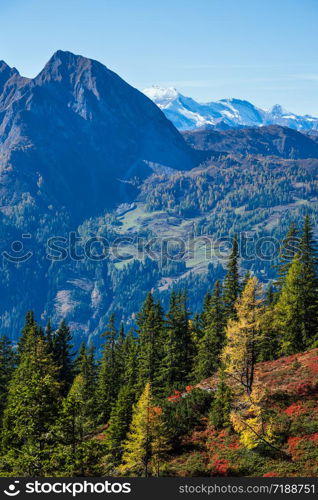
<point x="75" y="452"/>
<point x="119" y="422"/>
<point x="150" y="325"/>
<point x="31" y="408"/>
<point x="7" y="366"/>
<point x="231" y="288"/>
<point x="63" y="357"/>
<point x="109" y="373"/>
<point x="219" y="415"/>
<point x="288" y="250"/>
<point x="211" y="344"/>
<point x="178" y="348"/>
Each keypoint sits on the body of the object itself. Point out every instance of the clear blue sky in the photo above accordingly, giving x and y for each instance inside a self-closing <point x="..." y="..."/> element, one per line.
<point x="265" y="51"/>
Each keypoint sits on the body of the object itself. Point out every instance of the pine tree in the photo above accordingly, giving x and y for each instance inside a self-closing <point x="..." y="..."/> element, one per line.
<point x="31" y="408"/>
<point x="219" y="415"/>
<point x="109" y="373"/>
<point x="63" y="357"/>
<point x="243" y="335"/>
<point x="231" y="287"/>
<point x="288" y="250"/>
<point x="211" y="344"/>
<point x="7" y="366"/>
<point x="75" y="452"/>
<point x="49" y="336"/>
<point x="119" y="422"/>
<point x="309" y="285"/>
<point x="178" y="347"/>
<point x="150" y="326"/>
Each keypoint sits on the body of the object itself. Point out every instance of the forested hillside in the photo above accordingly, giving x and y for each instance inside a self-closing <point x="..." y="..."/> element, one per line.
<point x="230" y="391"/>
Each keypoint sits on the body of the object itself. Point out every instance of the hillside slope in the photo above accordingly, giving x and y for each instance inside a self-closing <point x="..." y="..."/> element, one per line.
<point x="291" y="387"/>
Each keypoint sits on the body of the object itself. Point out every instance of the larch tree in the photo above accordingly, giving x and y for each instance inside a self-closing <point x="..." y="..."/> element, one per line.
<point x="243" y="335"/>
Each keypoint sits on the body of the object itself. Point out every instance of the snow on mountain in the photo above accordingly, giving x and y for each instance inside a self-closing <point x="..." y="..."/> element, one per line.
<point x="188" y="114"/>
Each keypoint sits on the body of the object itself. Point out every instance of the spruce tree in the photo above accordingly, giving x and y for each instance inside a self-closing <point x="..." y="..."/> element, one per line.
<point x="309" y="285"/>
<point x="76" y="452"/>
<point x="109" y="372"/>
<point x="62" y="354"/>
<point x="211" y="344"/>
<point x="176" y="366"/>
<point x="289" y="248"/>
<point x="150" y="326"/>
<point x="219" y="415"/>
<point x="119" y="422"/>
<point x="8" y="360"/>
<point x="231" y="286"/>
<point x="32" y="405"/>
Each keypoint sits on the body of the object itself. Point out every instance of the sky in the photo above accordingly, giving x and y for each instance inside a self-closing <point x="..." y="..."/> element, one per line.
<point x="262" y="51"/>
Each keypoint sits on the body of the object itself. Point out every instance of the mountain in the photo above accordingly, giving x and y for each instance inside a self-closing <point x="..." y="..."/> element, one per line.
<point x="77" y="134"/>
<point x="267" y="140"/>
<point x="187" y="114"/>
<point x="99" y="189"/>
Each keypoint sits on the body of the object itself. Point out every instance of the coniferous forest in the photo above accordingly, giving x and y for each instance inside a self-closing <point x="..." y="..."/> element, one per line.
<point x="231" y="391"/>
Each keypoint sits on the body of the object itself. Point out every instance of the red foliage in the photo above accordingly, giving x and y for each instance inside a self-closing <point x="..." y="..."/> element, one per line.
<point x="174" y="397"/>
<point x="270" y="474"/>
<point x="220" y="466"/>
<point x="295" y="409"/>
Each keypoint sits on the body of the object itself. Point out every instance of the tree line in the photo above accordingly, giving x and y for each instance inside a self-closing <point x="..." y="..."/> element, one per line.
<point x="77" y="414"/>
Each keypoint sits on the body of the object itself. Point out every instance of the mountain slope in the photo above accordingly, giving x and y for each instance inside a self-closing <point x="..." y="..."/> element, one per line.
<point x="187" y="114"/>
<point x="269" y="140"/>
<point x="75" y="132"/>
<point x="291" y="400"/>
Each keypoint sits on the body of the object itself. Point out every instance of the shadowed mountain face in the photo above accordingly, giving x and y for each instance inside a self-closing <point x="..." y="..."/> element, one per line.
<point x="268" y="140"/>
<point x="75" y="136"/>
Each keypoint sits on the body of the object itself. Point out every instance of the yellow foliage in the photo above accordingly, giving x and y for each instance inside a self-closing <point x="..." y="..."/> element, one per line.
<point x="242" y="334"/>
<point x="251" y="423"/>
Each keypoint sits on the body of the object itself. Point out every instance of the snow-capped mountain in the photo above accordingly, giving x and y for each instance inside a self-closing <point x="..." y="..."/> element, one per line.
<point x="188" y="114"/>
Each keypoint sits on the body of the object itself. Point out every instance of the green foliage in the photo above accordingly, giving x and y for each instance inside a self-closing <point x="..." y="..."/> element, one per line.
<point x="31" y="408"/>
<point x="219" y="415"/>
<point x="211" y="343"/>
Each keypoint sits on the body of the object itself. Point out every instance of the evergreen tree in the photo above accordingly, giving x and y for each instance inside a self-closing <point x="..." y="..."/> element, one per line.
<point x="288" y="250"/>
<point x="219" y="415"/>
<point x="309" y="283"/>
<point x="178" y="348"/>
<point x="211" y="344"/>
<point x="63" y="357"/>
<point x="243" y="335"/>
<point x="231" y="288"/>
<point x="109" y="373"/>
<point x="119" y="422"/>
<point x="150" y="325"/>
<point x="31" y="408"/>
<point x="49" y="336"/>
<point x="7" y="366"/>
<point x="75" y="452"/>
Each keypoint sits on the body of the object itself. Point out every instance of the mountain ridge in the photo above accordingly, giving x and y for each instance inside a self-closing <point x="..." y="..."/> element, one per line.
<point x="188" y="114"/>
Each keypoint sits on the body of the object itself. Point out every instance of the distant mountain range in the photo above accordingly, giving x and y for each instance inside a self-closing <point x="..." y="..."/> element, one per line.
<point x="187" y="114"/>
<point x="84" y="153"/>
